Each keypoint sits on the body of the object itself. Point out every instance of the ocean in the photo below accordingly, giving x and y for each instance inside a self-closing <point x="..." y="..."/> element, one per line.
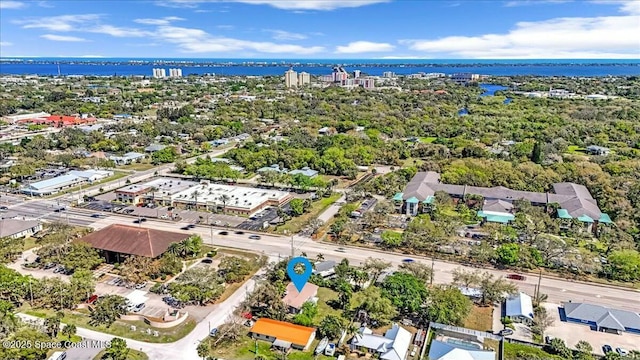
<point x="271" y="67"/>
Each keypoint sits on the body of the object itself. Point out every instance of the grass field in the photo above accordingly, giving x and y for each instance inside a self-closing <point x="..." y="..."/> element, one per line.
<point x="245" y="349"/>
<point x="133" y="355"/>
<point x="29" y="243"/>
<point x="137" y="166"/>
<point x="518" y="351"/>
<point x="325" y="295"/>
<point x="480" y="318"/>
<point x="428" y="140"/>
<point x="295" y="225"/>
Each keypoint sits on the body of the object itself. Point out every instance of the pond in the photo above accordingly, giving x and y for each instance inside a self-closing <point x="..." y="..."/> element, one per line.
<point x="490" y="89"/>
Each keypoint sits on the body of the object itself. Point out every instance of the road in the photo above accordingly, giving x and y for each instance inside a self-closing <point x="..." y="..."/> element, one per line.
<point x="184" y="348"/>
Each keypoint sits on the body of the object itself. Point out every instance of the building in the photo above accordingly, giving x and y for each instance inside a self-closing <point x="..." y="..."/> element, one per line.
<point x="159" y="73"/>
<point x="600" y="318"/>
<point x="394" y="345"/>
<point x="15" y="229"/>
<point x="165" y="190"/>
<point x="598" y="150"/>
<point x="456" y="343"/>
<point x="117" y="241"/>
<point x="272" y="167"/>
<point x="388" y="74"/>
<point x="91" y="175"/>
<point x="11" y="119"/>
<point x="304" y="78"/>
<point x="464" y="78"/>
<point x="306" y="171"/>
<point x="132" y="194"/>
<point x="356" y="73"/>
<point x="574" y="200"/>
<point x="69" y="180"/>
<point x="175" y="73"/>
<point x="519" y="308"/>
<point x="237" y="200"/>
<point x="154" y="147"/>
<point x="294" y="299"/>
<point x="282" y="334"/>
<point x="290" y="78"/>
<point x="60" y="120"/>
<point x="128" y="158"/>
<point x="325" y="268"/>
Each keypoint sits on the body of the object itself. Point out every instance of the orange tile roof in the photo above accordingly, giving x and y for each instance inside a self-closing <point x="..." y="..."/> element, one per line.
<point x="295" y="334"/>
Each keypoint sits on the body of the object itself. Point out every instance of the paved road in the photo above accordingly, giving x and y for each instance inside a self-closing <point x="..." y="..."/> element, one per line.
<point x="558" y="289"/>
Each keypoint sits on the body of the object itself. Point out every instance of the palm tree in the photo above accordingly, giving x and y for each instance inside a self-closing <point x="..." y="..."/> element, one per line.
<point x="69" y="331"/>
<point x="320" y="257"/>
<point x="177" y="248"/>
<point x="224" y="198"/>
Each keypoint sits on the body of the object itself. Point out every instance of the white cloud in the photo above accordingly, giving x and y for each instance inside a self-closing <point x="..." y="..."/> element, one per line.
<point x="283" y="4"/>
<point x="116" y="31"/>
<point x="53" y="37"/>
<point x="45" y="4"/>
<point x="364" y="47"/>
<point x="164" y="21"/>
<point x="5" y="43"/>
<point x="286" y="35"/>
<point x="58" y="23"/>
<point x="515" y="3"/>
<point x="198" y="41"/>
<point x="12" y="4"/>
<point x="567" y="37"/>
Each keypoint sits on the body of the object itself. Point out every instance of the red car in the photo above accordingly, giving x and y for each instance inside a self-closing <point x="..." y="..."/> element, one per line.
<point x="516" y="277"/>
<point x="92" y="299"/>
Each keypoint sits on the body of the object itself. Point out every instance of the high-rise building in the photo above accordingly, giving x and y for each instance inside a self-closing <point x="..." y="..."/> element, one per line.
<point x="304" y="78"/>
<point x="290" y="78"/>
<point x="388" y="74"/>
<point x="159" y="73"/>
<point x="175" y="72"/>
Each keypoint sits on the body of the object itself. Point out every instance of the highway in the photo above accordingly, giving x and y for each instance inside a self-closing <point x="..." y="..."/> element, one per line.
<point x="558" y="290"/>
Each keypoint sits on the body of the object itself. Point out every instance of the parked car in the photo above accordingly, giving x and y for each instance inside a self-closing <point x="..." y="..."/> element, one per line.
<point x="547" y="340"/>
<point x="138" y="307"/>
<point x="93" y="298"/>
<point x="206" y="261"/>
<point x="49" y="266"/>
<point x="141" y="285"/>
<point x="407" y="260"/>
<point x="59" y="269"/>
<point x="3" y="208"/>
<point x="240" y="232"/>
<point x="622" y="351"/>
<point x="516" y="277"/>
<point x="505" y="332"/>
<point x="606" y="348"/>
<point x="213" y="332"/>
<point x="254" y="237"/>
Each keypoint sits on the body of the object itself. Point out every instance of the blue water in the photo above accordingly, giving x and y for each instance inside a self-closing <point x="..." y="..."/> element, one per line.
<point x="490" y="89"/>
<point x="266" y="67"/>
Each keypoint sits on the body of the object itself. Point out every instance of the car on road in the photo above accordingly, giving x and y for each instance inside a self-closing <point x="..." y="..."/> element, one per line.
<point x="240" y="232"/>
<point x="516" y="277"/>
<point x="622" y="351"/>
<point x="188" y="227"/>
<point x="606" y="348"/>
<point x="407" y="260"/>
<point x="138" y="307"/>
<point x="340" y="249"/>
<point x="254" y="237"/>
<point x="223" y="233"/>
<point x="139" y="221"/>
<point x="505" y="332"/>
<point x="3" y="208"/>
<point x="207" y="261"/>
<point x="60" y="209"/>
<point x="213" y="332"/>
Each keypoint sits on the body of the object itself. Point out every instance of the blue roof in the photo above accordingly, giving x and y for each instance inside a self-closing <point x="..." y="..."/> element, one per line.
<point x="429" y="200"/>
<point x="585" y="218"/>
<point x="413" y="200"/>
<point x="397" y="196"/>
<point x="304" y="171"/>
<point x="605" y="219"/>
<point x="564" y="214"/>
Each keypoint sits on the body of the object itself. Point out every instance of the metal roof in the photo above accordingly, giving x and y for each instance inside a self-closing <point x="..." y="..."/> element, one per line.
<point x="602" y="316"/>
<point x="519" y="305"/>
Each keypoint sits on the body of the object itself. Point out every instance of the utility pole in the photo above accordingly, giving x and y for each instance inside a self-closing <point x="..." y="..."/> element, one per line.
<point x="537" y="292"/>
<point x="211" y="227"/>
<point x="432" y="269"/>
<point x="292" y="249"/>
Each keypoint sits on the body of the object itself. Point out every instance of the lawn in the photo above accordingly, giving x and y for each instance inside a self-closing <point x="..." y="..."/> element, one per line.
<point x="325" y="295"/>
<point x="121" y="328"/>
<point x="428" y="140"/>
<point x="516" y="351"/>
<point x="480" y="318"/>
<point x="245" y="348"/>
<point x="294" y="225"/>
<point x="137" y="166"/>
<point x="133" y="355"/>
<point x="29" y="243"/>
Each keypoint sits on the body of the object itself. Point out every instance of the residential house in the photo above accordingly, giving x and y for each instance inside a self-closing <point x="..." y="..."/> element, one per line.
<point x="306" y="171"/>
<point x="519" y="308"/>
<point x="457" y="343"/>
<point x="600" y="318"/>
<point x="282" y="334"/>
<point x="154" y="147"/>
<point x="117" y="241"/>
<point x="324" y="269"/>
<point x="598" y="150"/>
<point x="15" y="229"/>
<point x="128" y="158"/>
<point x="273" y="167"/>
<point x="294" y="299"/>
<point x="394" y="345"/>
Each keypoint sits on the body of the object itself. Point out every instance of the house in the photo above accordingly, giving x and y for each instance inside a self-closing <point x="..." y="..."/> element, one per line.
<point x="219" y="142"/>
<point x="132" y="194"/>
<point x="457" y="343"/>
<point x="295" y="299"/>
<point x="282" y="334"/>
<point x="116" y="241"/>
<point x="6" y="164"/>
<point x="598" y="150"/>
<point x="15" y="229"/>
<point x="440" y="350"/>
<point x="154" y="147"/>
<point x="127" y="158"/>
<point x="324" y="269"/>
<point x="274" y="167"/>
<point x="601" y="318"/>
<point x="306" y="171"/>
<point x="394" y="345"/>
<point x="519" y="308"/>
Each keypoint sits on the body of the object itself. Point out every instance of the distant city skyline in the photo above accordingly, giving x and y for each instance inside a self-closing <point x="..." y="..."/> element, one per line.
<point x="322" y="29"/>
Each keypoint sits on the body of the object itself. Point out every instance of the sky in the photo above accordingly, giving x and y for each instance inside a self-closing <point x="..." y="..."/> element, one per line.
<point x="322" y="29"/>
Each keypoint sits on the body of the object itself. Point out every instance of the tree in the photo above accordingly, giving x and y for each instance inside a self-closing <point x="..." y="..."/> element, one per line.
<point x="624" y="265"/>
<point x="69" y="330"/>
<point x="108" y="309"/>
<point x="495" y="290"/>
<point x="117" y="351"/>
<point x="541" y="321"/>
<point x="508" y="254"/>
<point x="297" y="207"/>
<point x="536" y="154"/>
<point x="10" y="249"/>
<point x="234" y="268"/>
<point x="419" y="270"/>
<point x="203" y="349"/>
<point x="331" y="326"/>
<point x="466" y="278"/>
<point x="8" y="320"/>
<point x="82" y="285"/>
<point x="52" y="324"/>
<point x="375" y="267"/>
<point x="391" y="239"/>
<point x="308" y="312"/>
<point x="378" y="307"/>
<point x="164" y="156"/>
<point x="137" y="269"/>
<point x="405" y="291"/>
<point x="558" y="346"/>
<point x="80" y="255"/>
<point x="446" y="305"/>
<point x="584" y="349"/>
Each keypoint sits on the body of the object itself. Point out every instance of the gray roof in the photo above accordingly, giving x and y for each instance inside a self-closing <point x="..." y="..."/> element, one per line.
<point x="602" y="316"/>
<point x="440" y="350"/>
<point x="154" y="147"/>
<point x="324" y="266"/>
<point x="10" y="227"/>
<point x="394" y="345"/>
<point x="497" y="206"/>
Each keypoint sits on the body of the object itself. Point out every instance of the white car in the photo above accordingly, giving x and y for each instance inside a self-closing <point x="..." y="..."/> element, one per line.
<point x="622" y="351"/>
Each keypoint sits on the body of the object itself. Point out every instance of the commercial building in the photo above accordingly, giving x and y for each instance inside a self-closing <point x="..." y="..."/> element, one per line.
<point x="69" y="180"/>
<point x="294" y="299"/>
<point x="15" y="229"/>
<point x="16" y="118"/>
<point x="159" y="73"/>
<point x="132" y="194"/>
<point x="163" y="190"/>
<point x="601" y="318"/>
<point x="59" y="120"/>
<point x="116" y="241"/>
<point x="306" y="171"/>
<point x="394" y="345"/>
<point x="128" y="158"/>
<point x="464" y="78"/>
<point x="282" y="334"/>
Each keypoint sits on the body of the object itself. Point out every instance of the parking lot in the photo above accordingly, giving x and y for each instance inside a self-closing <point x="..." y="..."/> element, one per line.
<point x="256" y="222"/>
<point x="154" y="306"/>
<point x="571" y="333"/>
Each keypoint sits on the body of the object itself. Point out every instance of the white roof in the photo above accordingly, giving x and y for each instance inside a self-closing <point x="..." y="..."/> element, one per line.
<point x="394" y="345"/>
<point x="520" y="305"/>
<point x="444" y="351"/>
<point x="137" y="297"/>
<point x="56" y="182"/>
<point x="238" y="196"/>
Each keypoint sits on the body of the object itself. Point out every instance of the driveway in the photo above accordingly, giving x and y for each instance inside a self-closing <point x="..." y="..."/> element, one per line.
<point x="332" y="210"/>
<point x="571" y="333"/>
